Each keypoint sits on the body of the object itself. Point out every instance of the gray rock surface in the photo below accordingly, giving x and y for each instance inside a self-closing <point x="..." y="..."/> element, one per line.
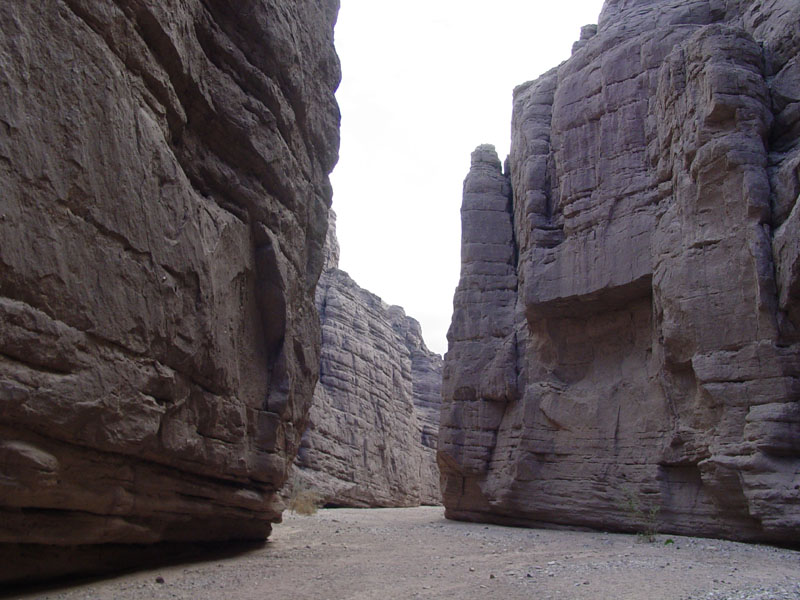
<point x="426" y="389"/>
<point x="626" y="321"/>
<point x="372" y="432"/>
<point x="163" y="205"/>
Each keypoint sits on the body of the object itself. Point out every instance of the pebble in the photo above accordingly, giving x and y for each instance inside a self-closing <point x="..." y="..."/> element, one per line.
<point x="758" y="593"/>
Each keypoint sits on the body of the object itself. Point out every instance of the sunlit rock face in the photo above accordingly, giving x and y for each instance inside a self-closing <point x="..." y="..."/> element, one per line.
<point x="371" y="438"/>
<point x="163" y="205"/>
<point x="626" y="323"/>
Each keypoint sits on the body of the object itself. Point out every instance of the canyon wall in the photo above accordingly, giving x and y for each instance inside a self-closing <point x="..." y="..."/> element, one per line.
<point x="372" y="430"/>
<point x="626" y="323"/>
<point x="163" y="206"/>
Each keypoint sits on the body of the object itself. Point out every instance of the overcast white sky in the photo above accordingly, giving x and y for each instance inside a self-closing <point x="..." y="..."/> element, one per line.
<point x="424" y="82"/>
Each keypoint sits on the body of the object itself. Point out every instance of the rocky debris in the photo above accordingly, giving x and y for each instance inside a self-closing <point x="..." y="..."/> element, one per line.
<point x="372" y="432"/>
<point x="626" y="321"/>
<point x="163" y="205"/>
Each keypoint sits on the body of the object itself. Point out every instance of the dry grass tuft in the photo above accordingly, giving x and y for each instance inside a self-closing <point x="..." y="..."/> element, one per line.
<point x="303" y="500"/>
<point x="646" y="516"/>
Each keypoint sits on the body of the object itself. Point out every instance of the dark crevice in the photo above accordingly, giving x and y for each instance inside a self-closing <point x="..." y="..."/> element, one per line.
<point x="274" y="58"/>
<point x="103" y="456"/>
<point x="252" y="87"/>
<point x="31" y="363"/>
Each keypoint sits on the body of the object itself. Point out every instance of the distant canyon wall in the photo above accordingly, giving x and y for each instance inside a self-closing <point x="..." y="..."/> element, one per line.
<point x="163" y="206"/>
<point x="372" y="432"/>
<point x="626" y="324"/>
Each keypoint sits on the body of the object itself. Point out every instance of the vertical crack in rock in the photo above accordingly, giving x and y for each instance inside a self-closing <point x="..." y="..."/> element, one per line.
<point x="163" y="205"/>
<point x="655" y="187"/>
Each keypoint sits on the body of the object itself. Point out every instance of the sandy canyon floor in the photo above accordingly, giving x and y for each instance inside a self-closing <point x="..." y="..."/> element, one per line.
<point x="417" y="553"/>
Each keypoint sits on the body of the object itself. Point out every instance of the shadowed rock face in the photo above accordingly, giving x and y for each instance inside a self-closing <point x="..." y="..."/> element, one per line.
<point x="372" y="433"/>
<point x="163" y="205"/>
<point x="626" y="322"/>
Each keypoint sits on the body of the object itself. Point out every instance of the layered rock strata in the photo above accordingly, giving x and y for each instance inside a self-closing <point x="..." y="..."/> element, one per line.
<point x="163" y="205"/>
<point x="625" y="328"/>
<point x="372" y="433"/>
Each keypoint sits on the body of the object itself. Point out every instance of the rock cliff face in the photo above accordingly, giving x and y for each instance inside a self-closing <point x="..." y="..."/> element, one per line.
<point x="626" y="324"/>
<point x="163" y="205"/>
<point x="372" y="432"/>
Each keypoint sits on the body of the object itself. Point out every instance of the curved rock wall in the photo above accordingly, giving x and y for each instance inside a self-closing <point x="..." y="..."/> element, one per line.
<point x="163" y="205"/>
<point x="625" y="325"/>
<point x="372" y="432"/>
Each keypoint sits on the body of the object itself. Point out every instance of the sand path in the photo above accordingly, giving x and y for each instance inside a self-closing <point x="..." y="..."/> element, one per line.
<point x="416" y="553"/>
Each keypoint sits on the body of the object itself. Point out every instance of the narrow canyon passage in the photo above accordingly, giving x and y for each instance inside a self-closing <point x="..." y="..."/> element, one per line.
<point x="181" y="351"/>
<point x="416" y="553"/>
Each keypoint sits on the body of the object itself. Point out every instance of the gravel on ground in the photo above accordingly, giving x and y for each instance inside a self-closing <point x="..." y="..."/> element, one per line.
<point x="414" y="553"/>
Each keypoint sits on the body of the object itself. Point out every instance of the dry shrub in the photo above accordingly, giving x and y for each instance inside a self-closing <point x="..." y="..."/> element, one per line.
<point x="302" y="499"/>
<point x="645" y="515"/>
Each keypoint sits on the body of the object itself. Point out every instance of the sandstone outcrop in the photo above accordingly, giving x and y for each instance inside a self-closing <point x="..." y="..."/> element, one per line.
<point x="626" y="324"/>
<point x="163" y="205"/>
<point x="372" y="430"/>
